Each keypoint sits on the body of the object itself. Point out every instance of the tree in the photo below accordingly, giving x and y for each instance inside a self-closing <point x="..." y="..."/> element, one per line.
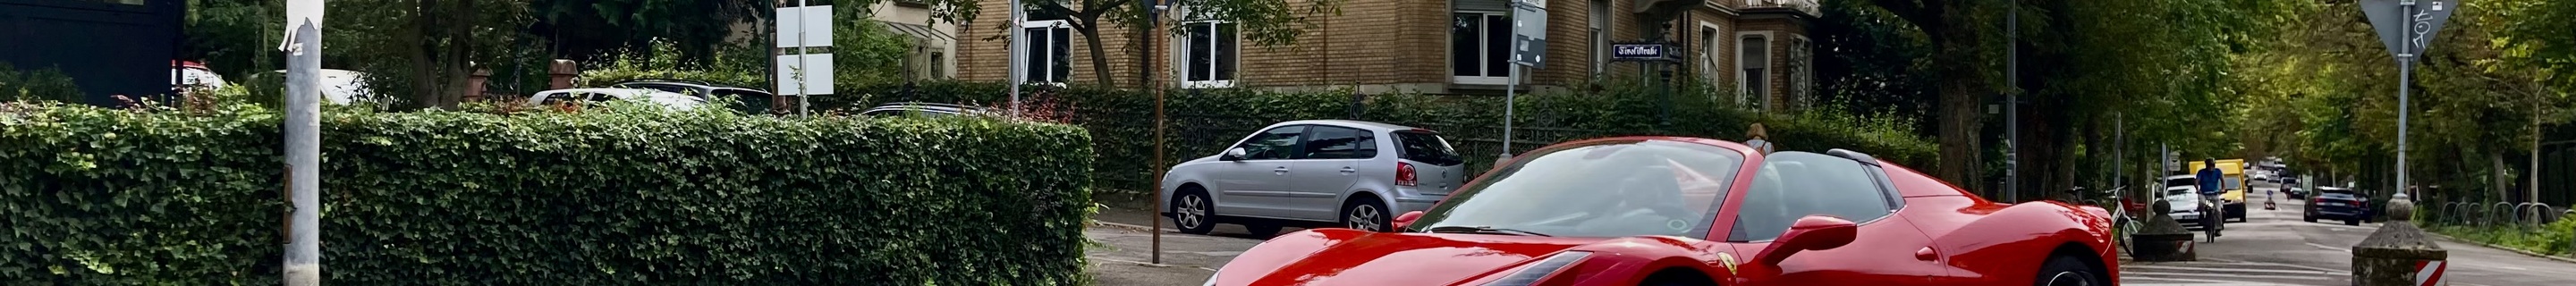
<point x="424" y="48"/>
<point x="1962" y="33"/>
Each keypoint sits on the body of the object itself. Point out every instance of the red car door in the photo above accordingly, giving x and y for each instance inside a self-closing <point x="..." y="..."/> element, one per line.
<point x="1885" y="250"/>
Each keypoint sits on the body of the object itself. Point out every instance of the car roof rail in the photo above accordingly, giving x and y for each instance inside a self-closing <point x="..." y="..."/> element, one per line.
<point x="1864" y="158"/>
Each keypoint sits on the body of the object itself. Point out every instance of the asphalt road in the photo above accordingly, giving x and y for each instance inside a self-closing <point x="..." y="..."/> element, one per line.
<point x="2273" y="248"/>
<point x="2276" y="248"/>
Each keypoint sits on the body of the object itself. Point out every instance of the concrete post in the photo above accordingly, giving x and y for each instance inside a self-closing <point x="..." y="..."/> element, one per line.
<point x="2398" y="253"/>
<point x="2161" y="238"/>
<point x="559" y="74"/>
<point x="474" y="84"/>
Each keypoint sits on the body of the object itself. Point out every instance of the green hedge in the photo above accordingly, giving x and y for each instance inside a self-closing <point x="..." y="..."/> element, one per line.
<point x="606" y="196"/>
<point x="1205" y="121"/>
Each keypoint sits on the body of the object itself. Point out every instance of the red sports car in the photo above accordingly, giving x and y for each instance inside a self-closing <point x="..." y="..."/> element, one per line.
<point x="1688" y="211"/>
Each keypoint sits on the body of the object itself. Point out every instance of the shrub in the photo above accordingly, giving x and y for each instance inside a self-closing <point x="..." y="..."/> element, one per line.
<point x="1203" y="121"/>
<point x="605" y="196"/>
<point x="48" y="83"/>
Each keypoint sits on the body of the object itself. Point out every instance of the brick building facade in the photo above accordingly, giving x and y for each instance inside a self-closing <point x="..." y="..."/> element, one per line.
<point x="1433" y="46"/>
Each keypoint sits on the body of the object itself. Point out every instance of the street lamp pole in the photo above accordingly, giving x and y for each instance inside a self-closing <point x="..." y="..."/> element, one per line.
<point x="2012" y="102"/>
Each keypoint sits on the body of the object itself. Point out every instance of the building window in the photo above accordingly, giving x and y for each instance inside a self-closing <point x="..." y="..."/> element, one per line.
<point x="1479" y="48"/>
<point x="1710" y="51"/>
<point x="1600" y="37"/>
<point x="1751" y="78"/>
<point x="1211" y="49"/>
<point x="1050" y="44"/>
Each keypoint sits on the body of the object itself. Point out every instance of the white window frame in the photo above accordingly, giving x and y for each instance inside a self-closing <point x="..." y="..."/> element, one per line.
<point x="1183" y="49"/>
<point x="1032" y="54"/>
<point x="1711" y="52"/>
<point x="1600" y="24"/>
<point x="1481" y="48"/>
<point x="1761" y="102"/>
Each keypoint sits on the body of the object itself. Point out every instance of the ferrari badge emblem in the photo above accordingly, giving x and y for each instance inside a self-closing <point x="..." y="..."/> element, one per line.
<point x="1729" y="260"/>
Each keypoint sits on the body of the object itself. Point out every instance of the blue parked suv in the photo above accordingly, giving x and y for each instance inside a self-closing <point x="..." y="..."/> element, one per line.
<point x="2338" y="203"/>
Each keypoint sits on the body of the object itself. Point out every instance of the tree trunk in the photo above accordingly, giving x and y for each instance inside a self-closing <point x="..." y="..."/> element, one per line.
<point x="1960" y="139"/>
<point x="1099" y="57"/>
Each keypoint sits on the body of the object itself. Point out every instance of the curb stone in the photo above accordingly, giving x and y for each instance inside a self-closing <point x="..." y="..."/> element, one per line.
<point x="1130" y="226"/>
<point x="2499" y="247"/>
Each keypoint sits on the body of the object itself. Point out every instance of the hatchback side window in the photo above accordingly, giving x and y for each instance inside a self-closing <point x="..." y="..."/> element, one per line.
<point x="1277" y="143"/>
<point x="1793" y="185"/>
<point x="1324" y="142"/>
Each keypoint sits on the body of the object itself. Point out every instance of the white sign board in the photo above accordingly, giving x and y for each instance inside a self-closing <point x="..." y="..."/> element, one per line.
<point x="800" y="73"/>
<point x="815" y="69"/>
<point x="809" y="26"/>
<point x="1529" y="33"/>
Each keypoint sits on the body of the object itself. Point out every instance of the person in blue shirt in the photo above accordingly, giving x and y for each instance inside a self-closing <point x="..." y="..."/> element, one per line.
<point x="2209" y="177"/>
<point x="2209" y="188"/>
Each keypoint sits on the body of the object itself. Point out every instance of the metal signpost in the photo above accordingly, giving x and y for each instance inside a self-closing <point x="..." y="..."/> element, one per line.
<point x="1529" y="47"/>
<point x="801" y="28"/>
<point x="2407" y="27"/>
<point x="1153" y="27"/>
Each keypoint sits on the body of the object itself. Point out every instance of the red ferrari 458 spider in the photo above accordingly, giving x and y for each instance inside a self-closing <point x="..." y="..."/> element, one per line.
<point x="1688" y="211"/>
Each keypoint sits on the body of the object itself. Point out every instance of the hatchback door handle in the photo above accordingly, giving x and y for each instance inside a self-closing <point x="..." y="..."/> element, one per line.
<point x="1280" y="170"/>
<point x="1347" y="170"/>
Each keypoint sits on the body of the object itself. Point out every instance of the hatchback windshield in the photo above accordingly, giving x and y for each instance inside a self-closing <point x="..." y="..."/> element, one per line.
<point x="1608" y="189"/>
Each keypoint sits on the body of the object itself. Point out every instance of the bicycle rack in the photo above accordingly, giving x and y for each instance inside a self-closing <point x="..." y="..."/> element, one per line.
<point x="2501" y="212"/>
<point x="2533" y="213"/>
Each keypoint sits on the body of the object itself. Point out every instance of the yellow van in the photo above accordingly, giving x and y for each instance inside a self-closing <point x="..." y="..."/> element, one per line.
<point x="2232" y="172"/>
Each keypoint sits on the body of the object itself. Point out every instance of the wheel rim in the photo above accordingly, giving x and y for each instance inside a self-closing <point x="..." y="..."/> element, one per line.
<point x="2070" y="278"/>
<point x="1192" y="211"/>
<point x="1364" y="217"/>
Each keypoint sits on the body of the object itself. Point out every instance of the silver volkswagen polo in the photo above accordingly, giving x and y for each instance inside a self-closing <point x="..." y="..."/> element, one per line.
<point x="1353" y="174"/>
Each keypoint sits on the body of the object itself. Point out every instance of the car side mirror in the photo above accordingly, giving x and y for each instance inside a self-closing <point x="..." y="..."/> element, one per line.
<point x="1232" y="154"/>
<point x="1406" y="219"/>
<point x="1815" y="232"/>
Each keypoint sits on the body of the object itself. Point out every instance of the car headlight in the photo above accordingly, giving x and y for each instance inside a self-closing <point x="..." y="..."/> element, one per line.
<point x="1530" y="274"/>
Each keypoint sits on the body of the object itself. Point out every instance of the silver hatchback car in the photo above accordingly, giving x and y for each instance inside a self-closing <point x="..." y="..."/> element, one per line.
<point x="1314" y="173"/>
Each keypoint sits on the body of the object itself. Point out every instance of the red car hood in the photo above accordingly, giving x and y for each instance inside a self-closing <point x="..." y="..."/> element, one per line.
<point x="1350" y="257"/>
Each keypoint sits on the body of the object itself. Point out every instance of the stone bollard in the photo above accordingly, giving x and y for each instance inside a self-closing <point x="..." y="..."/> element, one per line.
<point x="2398" y="253"/>
<point x="2160" y="238"/>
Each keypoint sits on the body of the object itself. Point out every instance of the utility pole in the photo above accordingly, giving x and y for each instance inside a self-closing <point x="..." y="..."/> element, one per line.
<point x="1018" y="56"/>
<point x="2012" y="101"/>
<point x="1154" y="30"/>
<point x="304" y="143"/>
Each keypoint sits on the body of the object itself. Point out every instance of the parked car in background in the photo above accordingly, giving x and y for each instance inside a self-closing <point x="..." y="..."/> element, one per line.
<point x="745" y="100"/>
<point x="927" y="109"/>
<point x="1353" y="174"/>
<point x="192" y="74"/>
<point x="2336" y="203"/>
<point x="1689" y="211"/>
<point x="672" y="100"/>
<point x="338" y="86"/>
<point x="2193" y="209"/>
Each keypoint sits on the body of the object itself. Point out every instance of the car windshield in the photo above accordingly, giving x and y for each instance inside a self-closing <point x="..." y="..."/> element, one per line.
<point x="1605" y="189"/>
<point x="2234" y="183"/>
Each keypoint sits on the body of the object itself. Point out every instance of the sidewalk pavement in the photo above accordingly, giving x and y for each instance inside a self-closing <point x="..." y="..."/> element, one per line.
<point x="1122" y="255"/>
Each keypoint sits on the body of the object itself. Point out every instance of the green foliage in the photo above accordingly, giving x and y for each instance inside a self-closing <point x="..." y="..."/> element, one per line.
<point x="608" y="196"/>
<point x="2555" y="238"/>
<point x="866" y="51"/>
<point x="42" y="84"/>
<point x="662" y="60"/>
<point x="1204" y="121"/>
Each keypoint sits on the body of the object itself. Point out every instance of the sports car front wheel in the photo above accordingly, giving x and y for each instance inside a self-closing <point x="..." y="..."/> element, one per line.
<point x="2067" y="271"/>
